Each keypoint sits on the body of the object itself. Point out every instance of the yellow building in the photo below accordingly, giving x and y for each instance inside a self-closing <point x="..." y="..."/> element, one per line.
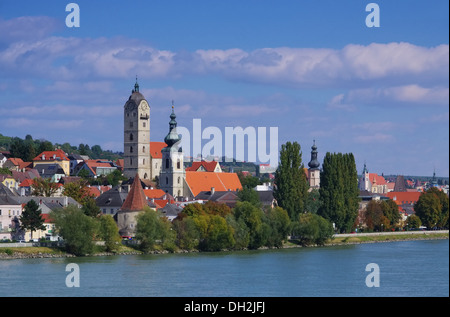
<point x="49" y="157"/>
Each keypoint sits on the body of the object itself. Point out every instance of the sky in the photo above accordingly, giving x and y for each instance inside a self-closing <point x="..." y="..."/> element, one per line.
<point x="312" y="69"/>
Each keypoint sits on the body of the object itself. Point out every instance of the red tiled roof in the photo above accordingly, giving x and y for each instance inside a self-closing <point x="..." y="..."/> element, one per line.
<point x="208" y="166"/>
<point x="26" y="183"/>
<point x="155" y="149"/>
<point x="377" y="179"/>
<point x="136" y="199"/>
<point x="16" y="161"/>
<point x="51" y="156"/>
<point x="199" y="181"/>
<point x="154" y="193"/>
<point x="404" y="197"/>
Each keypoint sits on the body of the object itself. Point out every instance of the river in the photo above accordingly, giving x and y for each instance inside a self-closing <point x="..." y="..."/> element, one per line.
<point x="405" y="269"/>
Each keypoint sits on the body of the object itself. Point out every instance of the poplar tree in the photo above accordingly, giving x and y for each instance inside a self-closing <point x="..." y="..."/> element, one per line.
<point x="339" y="190"/>
<point x="291" y="186"/>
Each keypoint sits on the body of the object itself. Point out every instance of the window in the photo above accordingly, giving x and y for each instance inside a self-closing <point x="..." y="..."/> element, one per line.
<point x="131" y="149"/>
<point x="131" y="124"/>
<point x="143" y="161"/>
<point x="167" y="163"/>
<point x="131" y="136"/>
<point x="178" y="164"/>
<point x="143" y="149"/>
<point x="143" y="124"/>
<point x="131" y="161"/>
<point x="167" y="180"/>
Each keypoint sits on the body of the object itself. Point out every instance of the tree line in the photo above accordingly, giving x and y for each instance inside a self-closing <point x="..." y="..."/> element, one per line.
<point x="27" y="149"/>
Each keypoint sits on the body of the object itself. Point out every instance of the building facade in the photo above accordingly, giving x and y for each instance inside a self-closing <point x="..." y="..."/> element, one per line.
<point x="137" y="136"/>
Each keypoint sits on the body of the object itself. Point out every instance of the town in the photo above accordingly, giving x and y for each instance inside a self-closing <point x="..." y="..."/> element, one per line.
<point x="154" y="175"/>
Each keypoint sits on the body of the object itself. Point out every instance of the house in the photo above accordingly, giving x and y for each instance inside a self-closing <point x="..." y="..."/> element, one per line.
<point x="3" y="160"/>
<point x="10" y="211"/>
<point x="51" y="171"/>
<point x="405" y="200"/>
<point x="76" y="159"/>
<point x="56" y="157"/>
<point x="112" y="200"/>
<point x="204" y="166"/>
<point x="373" y="182"/>
<point x="266" y="198"/>
<point x="17" y="164"/>
<point x="96" y="168"/>
<point x="171" y="211"/>
<point x="133" y="205"/>
<point x="197" y="182"/>
<point x="225" y="197"/>
<point x="9" y="182"/>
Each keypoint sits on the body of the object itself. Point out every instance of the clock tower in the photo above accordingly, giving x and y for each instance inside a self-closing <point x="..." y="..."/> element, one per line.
<point x="136" y="138"/>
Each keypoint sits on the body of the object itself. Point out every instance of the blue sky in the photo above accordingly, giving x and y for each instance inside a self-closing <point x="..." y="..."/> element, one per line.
<point x="311" y="68"/>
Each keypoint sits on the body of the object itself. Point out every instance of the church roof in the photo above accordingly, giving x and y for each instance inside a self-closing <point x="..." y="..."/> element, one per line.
<point x="155" y="149"/>
<point x="136" y="199"/>
<point x="200" y="181"/>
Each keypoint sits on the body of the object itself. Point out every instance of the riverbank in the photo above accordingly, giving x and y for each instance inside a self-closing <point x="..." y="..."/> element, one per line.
<point x="345" y="239"/>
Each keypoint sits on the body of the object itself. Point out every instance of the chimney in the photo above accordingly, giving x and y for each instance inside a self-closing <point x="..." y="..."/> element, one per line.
<point x="213" y="190"/>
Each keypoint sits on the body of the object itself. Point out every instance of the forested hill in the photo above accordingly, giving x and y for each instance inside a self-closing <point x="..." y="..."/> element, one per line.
<point x="28" y="148"/>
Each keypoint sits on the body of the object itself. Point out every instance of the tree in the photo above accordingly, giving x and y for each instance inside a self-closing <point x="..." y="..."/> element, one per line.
<point x="216" y="234"/>
<point x="432" y="208"/>
<point x="152" y="229"/>
<point x="77" y="229"/>
<point x="241" y="232"/>
<point x="250" y="195"/>
<point x="339" y="190"/>
<point x="109" y="232"/>
<point x="291" y="186"/>
<point x="312" y="229"/>
<point x="44" y="187"/>
<point x="252" y="216"/>
<point x="31" y="218"/>
<point x="390" y="211"/>
<point x="279" y="224"/>
<point x="374" y="217"/>
<point x="413" y="222"/>
<point x="77" y="190"/>
<point x="187" y="237"/>
<point x="90" y="208"/>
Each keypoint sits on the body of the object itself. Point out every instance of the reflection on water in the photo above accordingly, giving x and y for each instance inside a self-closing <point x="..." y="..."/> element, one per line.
<point x="326" y="271"/>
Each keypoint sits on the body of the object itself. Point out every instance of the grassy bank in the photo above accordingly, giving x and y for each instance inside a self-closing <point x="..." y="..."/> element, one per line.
<point x="386" y="238"/>
<point x="41" y="252"/>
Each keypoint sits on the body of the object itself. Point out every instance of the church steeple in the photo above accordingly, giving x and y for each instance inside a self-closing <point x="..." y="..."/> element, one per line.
<point x="314" y="163"/>
<point x="136" y="86"/>
<point x="172" y="137"/>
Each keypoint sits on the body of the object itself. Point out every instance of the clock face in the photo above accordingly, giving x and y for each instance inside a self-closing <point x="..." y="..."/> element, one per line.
<point x="130" y="106"/>
<point x="143" y="106"/>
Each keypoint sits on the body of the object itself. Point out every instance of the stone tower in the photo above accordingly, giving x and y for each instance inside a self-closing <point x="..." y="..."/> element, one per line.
<point x="314" y="171"/>
<point x="172" y="176"/>
<point x="136" y="138"/>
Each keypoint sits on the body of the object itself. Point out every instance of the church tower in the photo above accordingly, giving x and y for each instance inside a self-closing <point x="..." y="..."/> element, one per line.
<point x="172" y="176"/>
<point x="136" y="138"/>
<point x="314" y="171"/>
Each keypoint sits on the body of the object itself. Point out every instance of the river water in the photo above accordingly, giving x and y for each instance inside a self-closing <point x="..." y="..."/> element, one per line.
<point x="406" y="268"/>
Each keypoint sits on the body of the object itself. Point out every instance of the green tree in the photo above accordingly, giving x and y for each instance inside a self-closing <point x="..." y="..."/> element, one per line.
<point x="313" y="201"/>
<point x="339" y="190"/>
<point x="250" y="195"/>
<point x="152" y="229"/>
<point x="77" y="229"/>
<point x="432" y="208"/>
<point x="374" y="217"/>
<point x="312" y="229"/>
<point x="216" y="234"/>
<point x="109" y="232"/>
<point x="241" y="232"/>
<point x="291" y="188"/>
<point x="89" y="207"/>
<point x="187" y="234"/>
<point x="77" y="190"/>
<point x="279" y="225"/>
<point x="31" y="218"/>
<point x="413" y="222"/>
<point x="252" y="216"/>
<point x="390" y="211"/>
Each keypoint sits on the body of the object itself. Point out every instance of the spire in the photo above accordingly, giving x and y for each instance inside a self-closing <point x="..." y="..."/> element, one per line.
<point x="314" y="163"/>
<point x="136" y="199"/>
<point x="172" y="137"/>
<point x="136" y="86"/>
